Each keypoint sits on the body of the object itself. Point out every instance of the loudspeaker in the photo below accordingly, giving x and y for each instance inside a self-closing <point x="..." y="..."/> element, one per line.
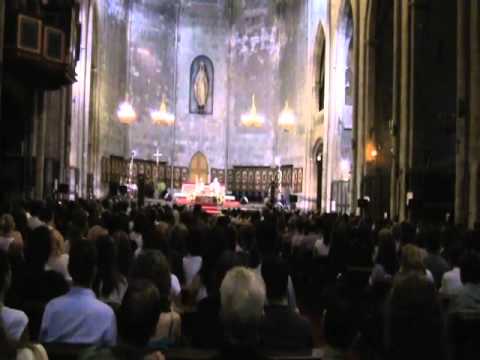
<point x="53" y="44"/>
<point x="29" y="34"/>
<point x="293" y="199"/>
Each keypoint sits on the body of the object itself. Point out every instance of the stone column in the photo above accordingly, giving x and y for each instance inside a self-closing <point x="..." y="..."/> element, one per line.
<point x="403" y="15"/>
<point x="397" y="56"/>
<point x="461" y="176"/>
<point x="474" y="118"/>
<point x="40" y="125"/>
<point x="2" y="26"/>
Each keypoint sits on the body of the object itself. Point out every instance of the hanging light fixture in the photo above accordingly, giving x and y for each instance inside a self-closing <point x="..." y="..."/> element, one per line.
<point x="287" y="118"/>
<point x="126" y="113"/>
<point x="252" y="119"/>
<point x="162" y="117"/>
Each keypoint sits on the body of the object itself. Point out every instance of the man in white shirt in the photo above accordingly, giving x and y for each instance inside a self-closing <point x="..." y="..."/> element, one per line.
<point x="14" y="321"/>
<point x="78" y="317"/>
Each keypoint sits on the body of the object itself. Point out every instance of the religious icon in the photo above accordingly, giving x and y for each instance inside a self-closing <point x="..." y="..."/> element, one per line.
<point x="201" y="86"/>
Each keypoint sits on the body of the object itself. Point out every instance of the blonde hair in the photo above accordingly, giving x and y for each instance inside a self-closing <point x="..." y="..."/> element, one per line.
<point x="58" y="243"/>
<point x="411" y="259"/>
<point x="242" y="295"/>
<point x="7" y="224"/>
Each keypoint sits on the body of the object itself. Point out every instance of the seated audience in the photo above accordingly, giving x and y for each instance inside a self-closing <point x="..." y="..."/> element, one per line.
<point x="34" y="283"/>
<point x="58" y="260"/>
<point x="340" y="328"/>
<point x="78" y="317"/>
<point x="242" y="297"/>
<point x="14" y="321"/>
<point x="10" y="239"/>
<point x="208" y="331"/>
<point x="434" y="261"/>
<point x="411" y="261"/>
<point x="137" y="321"/>
<point x="153" y="265"/>
<point x="451" y="281"/>
<point x="414" y="321"/>
<point x="109" y="285"/>
<point x="386" y="263"/>
<point x="11" y="349"/>
<point x="282" y="327"/>
<point x="468" y="298"/>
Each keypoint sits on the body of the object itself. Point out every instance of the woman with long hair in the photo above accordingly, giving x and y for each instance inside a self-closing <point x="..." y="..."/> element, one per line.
<point x="109" y="285"/>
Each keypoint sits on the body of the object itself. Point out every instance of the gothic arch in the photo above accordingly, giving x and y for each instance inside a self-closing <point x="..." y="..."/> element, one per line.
<point x="199" y="167"/>
<point x="210" y="71"/>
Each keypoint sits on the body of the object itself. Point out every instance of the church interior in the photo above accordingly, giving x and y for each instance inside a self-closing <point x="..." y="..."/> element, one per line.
<point x="353" y="100"/>
<point x="240" y="179"/>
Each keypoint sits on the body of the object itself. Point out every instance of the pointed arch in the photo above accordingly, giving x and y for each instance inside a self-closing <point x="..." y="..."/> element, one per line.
<point x="199" y="167"/>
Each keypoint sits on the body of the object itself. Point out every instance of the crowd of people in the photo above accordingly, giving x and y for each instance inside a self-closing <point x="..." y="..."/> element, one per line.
<point x="132" y="283"/>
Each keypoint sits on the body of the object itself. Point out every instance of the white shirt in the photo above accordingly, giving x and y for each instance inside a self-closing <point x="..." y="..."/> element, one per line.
<point x="451" y="283"/>
<point x="60" y="265"/>
<point x="33" y="222"/>
<point x="14" y="322"/>
<point x="191" y="267"/>
<point x="175" y="288"/>
<point x="5" y="243"/>
<point x="79" y="318"/>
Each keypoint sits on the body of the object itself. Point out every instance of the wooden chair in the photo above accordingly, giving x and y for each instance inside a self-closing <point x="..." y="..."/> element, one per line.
<point x="62" y="351"/>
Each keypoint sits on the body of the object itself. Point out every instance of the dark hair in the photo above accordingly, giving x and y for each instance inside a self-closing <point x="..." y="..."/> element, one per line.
<point x="275" y="274"/>
<point x="83" y="262"/>
<point x="138" y="315"/>
<point x="38" y="247"/>
<point x="415" y="324"/>
<point x="387" y="252"/>
<point x="5" y="269"/>
<point x="153" y="265"/>
<point x="339" y="323"/>
<point x="125" y="252"/>
<point x="108" y="278"/>
<point x="470" y="267"/>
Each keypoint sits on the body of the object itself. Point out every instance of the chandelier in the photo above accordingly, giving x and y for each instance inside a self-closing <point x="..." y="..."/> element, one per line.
<point x="162" y="116"/>
<point x="126" y="113"/>
<point x="252" y="119"/>
<point x="287" y="118"/>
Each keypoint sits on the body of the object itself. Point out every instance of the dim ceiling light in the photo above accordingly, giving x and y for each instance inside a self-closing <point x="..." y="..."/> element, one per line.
<point x="162" y="116"/>
<point x="126" y="113"/>
<point x="252" y="119"/>
<point x="287" y="118"/>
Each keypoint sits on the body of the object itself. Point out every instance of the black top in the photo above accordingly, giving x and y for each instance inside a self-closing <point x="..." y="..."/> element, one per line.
<point x="284" y="329"/>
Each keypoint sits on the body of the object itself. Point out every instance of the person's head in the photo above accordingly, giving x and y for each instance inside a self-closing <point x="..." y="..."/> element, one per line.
<point x="242" y="296"/>
<point x="57" y="243"/>
<point x="432" y="240"/>
<point x="227" y="261"/>
<point x="339" y="323"/>
<point x="5" y="274"/>
<point x="7" y="224"/>
<point x="415" y="324"/>
<point x="82" y="264"/>
<point x="275" y="274"/>
<point x="153" y="265"/>
<point x="107" y="274"/>
<point x="470" y="267"/>
<point x="124" y="252"/>
<point x="39" y="247"/>
<point x="387" y="252"/>
<point x="96" y="232"/>
<point x="46" y="215"/>
<point x="412" y="259"/>
<point x="139" y="312"/>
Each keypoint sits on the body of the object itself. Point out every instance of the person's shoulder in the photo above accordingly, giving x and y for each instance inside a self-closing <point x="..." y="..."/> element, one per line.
<point x="14" y="317"/>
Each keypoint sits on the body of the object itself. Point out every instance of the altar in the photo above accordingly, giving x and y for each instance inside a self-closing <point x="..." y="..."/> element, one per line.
<point x="211" y="197"/>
